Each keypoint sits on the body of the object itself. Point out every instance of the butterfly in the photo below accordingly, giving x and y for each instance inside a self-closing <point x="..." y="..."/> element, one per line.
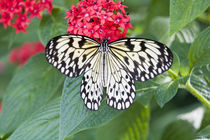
<point x="114" y="66"/>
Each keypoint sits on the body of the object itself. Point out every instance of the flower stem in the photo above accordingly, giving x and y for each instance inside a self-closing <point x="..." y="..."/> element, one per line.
<point x="189" y="87"/>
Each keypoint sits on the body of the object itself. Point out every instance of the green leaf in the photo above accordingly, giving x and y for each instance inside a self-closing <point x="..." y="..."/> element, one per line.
<point x="206" y="119"/>
<point x="75" y="116"/>
<point x="183" y="12"/>
<point x="156" y="8"/>
<point x="33" y="85"/>
<point x="5" y="74"/>
<point x="179" y="130"/>
<point x="162" y="117"/>
<point x="181" y="49"/>
<point x="144" y="91"/>
<point x="89" y="134"/>
<point x="52" y="25"/>
<point x="199" y="53"/>
<point x="7" y="37"/>
<point x="132" y="124"/>
<point x="166" y="92"/>
<point x="204" y="133"/>
<point x="188" y="33"/>
<point x="176" y="64"/>
<point x="199" y="85"/>
<point x="43" y="124"/>
<point x="159" y="28"/>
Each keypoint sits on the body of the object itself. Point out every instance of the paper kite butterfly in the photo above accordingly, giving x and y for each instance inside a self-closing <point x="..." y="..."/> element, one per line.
<point x="113" y="66"/>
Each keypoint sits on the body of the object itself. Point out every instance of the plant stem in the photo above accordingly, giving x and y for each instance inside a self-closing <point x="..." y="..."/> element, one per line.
<point x="189" y="87"/>
<point x="173" y="73"/>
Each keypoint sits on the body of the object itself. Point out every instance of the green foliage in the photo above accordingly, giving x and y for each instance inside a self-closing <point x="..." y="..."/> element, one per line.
<point x="200" y="55"/>
<point x="204" y="133"/>
<point x="37" y="105"/>
<point x="199" y="83"/>
<point x="183" y="12"/>
<point x="75" y="116"/>
<point x="43" y="123"/>
<point x="179" y="129"/>
<point x="23" y="97"/>
<point x="166" y="92"/>
<point x="52" y="25"/>
<point x="131" y="124"/>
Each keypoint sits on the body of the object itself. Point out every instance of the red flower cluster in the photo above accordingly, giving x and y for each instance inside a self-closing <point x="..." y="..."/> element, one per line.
<point x="98" y="19"/>
<point x="22" y="54"/>
<point x="18" y="13"/>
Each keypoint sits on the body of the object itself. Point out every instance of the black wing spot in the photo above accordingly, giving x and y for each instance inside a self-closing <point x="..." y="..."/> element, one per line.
<point x="84" y="57"/>
<point x="143" y="47"/>
<point x="71" y="42"/>
<point x="71" y="55"/>
<point x="150" y="68"/>
<point x="126" y="60"/>
<point x="81" y="42"/>
<point x="63" y="64"/>
<point x="126" y="76"/>
<point x="117" y="93"/>
<point x="56" y="58"/>
<point x="159" y="65"/>
<point x="129" y="45"/>
<point x="142" y="59"/>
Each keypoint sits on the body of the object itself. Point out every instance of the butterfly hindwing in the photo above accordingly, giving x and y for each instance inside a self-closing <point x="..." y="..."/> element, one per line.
<point x="70" y="54"/>
<point x="120" y="85"/>
<point x="91" y="87"/>
<point x="142" y="58"/>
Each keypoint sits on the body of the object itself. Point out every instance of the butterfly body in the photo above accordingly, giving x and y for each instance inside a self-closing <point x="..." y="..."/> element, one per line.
<point x="104" y="50"/>
<point x="113" y="66"/>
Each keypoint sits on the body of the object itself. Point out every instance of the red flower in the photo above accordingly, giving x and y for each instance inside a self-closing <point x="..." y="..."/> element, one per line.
<point x="18" y="13"/>
<point x="27" y="50"/>
<point x="98" y="19"/>
<point x="20" y="27"/>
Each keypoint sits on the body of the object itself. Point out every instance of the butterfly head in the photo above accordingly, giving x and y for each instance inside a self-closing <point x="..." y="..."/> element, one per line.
<point x="105" y="40"/>
<point x="104" y="44"/>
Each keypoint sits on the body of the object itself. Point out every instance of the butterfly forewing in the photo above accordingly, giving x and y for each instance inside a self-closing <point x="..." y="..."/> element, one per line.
<point x="70" y="54"/>
<point x="142" y="58"/>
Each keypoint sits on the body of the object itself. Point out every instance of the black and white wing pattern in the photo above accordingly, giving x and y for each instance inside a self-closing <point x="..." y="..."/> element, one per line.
<point x="71" y="54"/>
<point x="114" y="66"/>
<point x="144" y="59"/>
<point x="120" y="85"/>
<point x="91" y="89"/>
<point x="133" y="59"/>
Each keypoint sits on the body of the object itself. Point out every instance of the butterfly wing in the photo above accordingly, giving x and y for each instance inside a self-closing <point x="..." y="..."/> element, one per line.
<point x="142" y="58"/>
<point x="71" y="54"/>
<point x="129" y="60"/>
<point x="120" y="85"/>
<point x="91" y="87"/>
